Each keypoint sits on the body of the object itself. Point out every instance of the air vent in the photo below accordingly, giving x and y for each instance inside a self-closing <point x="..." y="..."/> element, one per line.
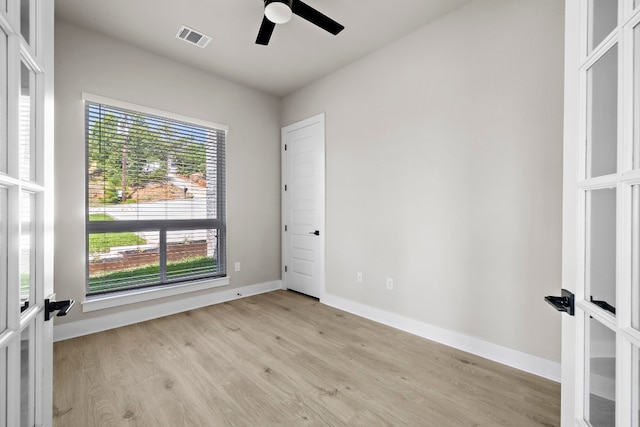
<point x="192" y="36"/>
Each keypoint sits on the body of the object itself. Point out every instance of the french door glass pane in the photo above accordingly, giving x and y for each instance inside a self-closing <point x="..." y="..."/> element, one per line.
<point x="3" y="101"/>
<point x="603" y="18"/>
<point x="635" y="257"/>
<point x="3" y="386"/>
<point x="27" y="361"/>
<point x="601" y="248"/>
<point x="25" y="19"/>
<point x="636" y="96"/>
<point x="26" y="248"/>
<point x="635" y="407"/>
<point x="603" y="115"/>
<point x="27" y="113"/>
<point x="601" y="375"/>
<point x="3" y="259"/>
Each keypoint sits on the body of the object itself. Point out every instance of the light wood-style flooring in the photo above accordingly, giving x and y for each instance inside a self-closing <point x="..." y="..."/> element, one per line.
<point x="283" y="359"/>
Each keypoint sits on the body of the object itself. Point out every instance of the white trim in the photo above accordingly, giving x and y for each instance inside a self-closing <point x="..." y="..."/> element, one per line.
<point x="574" y="171"/>
<point x="136" y="315"/>
<point x="283" y="208"/>
<point x="152" y="111"/>
<point x="100" y="302"/>
<point x="310" y="121"/>
<point x="507" y="356"/>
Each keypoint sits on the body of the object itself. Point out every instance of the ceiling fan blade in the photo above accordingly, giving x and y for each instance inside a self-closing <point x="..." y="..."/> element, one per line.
<point x="310" y="14"/>
<point x="266" y="29"/>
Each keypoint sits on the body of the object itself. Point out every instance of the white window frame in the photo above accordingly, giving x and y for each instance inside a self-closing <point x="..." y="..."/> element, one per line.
<point x="129" y="296"/>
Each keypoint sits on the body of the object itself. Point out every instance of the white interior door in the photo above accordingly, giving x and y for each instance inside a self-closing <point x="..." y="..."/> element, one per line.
<point x="601" y="256"/>
<point x="26" y="153"/>
<point x="303" y="201"/>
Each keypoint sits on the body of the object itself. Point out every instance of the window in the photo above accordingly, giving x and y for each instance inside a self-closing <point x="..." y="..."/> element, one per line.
<point x="155" y="198"/>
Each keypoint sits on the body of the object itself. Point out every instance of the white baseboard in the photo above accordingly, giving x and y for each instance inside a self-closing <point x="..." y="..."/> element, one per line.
<point x="514" y="358"/>
<point x="110" y="321"/>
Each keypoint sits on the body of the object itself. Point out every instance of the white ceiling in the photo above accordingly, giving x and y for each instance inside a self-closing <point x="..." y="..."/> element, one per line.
<point x="298" y="54"/>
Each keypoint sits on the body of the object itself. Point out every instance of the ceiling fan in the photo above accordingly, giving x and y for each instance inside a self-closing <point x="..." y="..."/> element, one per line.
<point x="281" y="11"/>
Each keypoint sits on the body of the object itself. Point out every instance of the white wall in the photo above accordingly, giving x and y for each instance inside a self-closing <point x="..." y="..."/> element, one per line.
<point x="88" y="62"/>
<point x="444" y="171"/>
<point x="444" y="155"/>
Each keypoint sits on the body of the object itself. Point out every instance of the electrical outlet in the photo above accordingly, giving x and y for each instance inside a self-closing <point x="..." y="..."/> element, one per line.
<point x="237" y="267"/>
<point x="389" y="283"/>
<point x="359" y="276"/>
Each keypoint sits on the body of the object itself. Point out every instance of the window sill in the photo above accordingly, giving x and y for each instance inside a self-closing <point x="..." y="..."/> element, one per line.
<point x="101" y="302"/>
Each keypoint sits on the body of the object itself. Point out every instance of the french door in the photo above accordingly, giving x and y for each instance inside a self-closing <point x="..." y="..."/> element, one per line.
<point x="26" y="209"/>
<point x="601" y="265"/>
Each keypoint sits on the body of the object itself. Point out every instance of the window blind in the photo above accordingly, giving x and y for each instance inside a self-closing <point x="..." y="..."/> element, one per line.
<point x="155" y="200"/>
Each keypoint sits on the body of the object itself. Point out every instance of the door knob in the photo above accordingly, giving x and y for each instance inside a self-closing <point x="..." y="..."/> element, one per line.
<point x="315" y="233"/>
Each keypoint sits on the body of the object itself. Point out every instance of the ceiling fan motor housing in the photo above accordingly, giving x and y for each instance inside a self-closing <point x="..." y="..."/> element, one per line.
<point x="278" y="11"/>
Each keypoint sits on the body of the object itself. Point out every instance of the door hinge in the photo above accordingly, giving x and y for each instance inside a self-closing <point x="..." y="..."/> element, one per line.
<point x="285" y="268"/>
<point x="285" y="187"/>
<point x="285" y="228"/>
<point x="285" y="147"/>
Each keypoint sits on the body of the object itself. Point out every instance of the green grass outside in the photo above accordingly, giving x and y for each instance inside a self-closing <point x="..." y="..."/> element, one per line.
<point x="150" y="273"/>
<point x="100" y="217"/>
<point x="103" y="242"/>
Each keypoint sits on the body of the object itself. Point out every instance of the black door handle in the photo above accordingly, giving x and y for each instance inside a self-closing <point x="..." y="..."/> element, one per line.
<point x="604" y="305"/>
<point x="315" y="233"/>
<point x="62" y="307"/>
<point x="564" y="303"/>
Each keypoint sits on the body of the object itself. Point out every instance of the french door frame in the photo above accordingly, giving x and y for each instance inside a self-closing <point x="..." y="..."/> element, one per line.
<point x="27" y="400"/>
<point x="577" y="186"/>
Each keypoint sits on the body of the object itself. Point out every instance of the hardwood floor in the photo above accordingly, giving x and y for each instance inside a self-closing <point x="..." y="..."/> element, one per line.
<point x="282" y="359"/>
